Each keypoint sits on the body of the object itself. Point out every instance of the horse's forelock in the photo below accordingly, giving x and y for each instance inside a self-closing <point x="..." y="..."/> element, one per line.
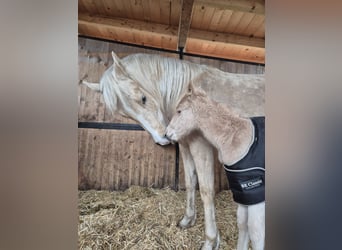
<point x="109" y="91"/>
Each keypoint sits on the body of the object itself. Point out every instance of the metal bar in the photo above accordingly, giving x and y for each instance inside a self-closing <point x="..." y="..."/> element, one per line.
<point x="171" y="51"/>
<point x="114" y="126"/>
<point x="176" y="187"/>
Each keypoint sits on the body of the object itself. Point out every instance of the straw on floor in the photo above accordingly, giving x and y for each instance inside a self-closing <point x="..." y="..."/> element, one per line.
<point x="146" y="218"/>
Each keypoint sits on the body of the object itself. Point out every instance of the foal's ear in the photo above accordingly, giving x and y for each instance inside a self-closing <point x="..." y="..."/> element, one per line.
<point x="190" y="89"/>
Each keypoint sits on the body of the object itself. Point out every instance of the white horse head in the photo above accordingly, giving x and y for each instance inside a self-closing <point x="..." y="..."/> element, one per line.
<point x="124" y="94"/>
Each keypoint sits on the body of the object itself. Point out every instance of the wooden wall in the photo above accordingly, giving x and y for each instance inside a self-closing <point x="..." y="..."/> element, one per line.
<point x="117" y="159"/>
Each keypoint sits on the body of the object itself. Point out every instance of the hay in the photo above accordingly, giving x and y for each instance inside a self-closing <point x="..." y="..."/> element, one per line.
<point x="146" y="218"/>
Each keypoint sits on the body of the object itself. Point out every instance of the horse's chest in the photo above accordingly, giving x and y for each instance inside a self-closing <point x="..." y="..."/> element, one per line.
<point x="247" y="177"/>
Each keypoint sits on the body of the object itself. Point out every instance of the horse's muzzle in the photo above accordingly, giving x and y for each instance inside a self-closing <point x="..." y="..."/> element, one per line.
<point x="168" y="138"/>
<point x="163" y="141"/>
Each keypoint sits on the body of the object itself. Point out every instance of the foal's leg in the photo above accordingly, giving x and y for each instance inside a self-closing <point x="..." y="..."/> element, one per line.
<point x="256" y="225"/>
<point x="189" y="217"/>
<point x="202" y="153"/>
<point x="242" y="219"/>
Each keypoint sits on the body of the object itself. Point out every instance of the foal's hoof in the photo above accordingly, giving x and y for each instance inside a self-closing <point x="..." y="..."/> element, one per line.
<point x="211" y="244"/>
<point x="187" y="222"/>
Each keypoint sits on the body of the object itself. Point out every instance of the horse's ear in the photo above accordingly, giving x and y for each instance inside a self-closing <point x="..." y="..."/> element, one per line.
<point x="116" y="59"/>
<point x="117" y="66"/>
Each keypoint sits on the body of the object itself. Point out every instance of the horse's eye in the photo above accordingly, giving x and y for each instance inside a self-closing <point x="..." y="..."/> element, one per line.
<point x="178" y="111"/>
<point x="143" y="99"/>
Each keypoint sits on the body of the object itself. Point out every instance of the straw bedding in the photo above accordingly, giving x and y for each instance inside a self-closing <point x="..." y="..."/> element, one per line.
<point x="146" y="218"/>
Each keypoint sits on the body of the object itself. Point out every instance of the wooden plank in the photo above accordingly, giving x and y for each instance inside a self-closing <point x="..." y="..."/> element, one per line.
<point x="100" y="7"/>
<point x="111" y="34"/>
<point x="81" y="7"/>
<point x="233" y="22"/>
<point x="90" y="6"/>
<point x="193" y="46"/>
<point x="224" y="20"/>
<point x="169" y="43"/>
<point x="212" y="37"/>
<point x="223" y="50"/>
<point x="103" y="155"/>
<point x="243" y="23"/>
<point x="207" y="17"/>
<point x="157" y="41"/>
<point x="176" y="7"/>
<point x="127" y="25"/>
<point x="127" y="9"/>
<point x="184" y="22"/>
<point x="137" y="9"/>
<point x="249" y="54"/>
<point x="138" y="38"/>
<point x="105" y="9"/>
<point x="155" y="10"/>
<point x="82" y="178"/>
<point x="111" y="9"/>
<point x="253" y="25"/>
<point x="211" y="47"/>
<point x="120" y="7"/>
<point x="259" y="54"/>
<point x="197" y="16"/>
<point x="214" y="22"/>
<point x="165" y="10"/>
<point x="260" y="32"/>
<point x="110" y="159"/>
<point x="146" y="9"/>
<point x="251" y="6"/>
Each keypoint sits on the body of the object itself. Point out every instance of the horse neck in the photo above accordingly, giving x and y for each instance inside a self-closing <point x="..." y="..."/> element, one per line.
<point x="230" y="134"/>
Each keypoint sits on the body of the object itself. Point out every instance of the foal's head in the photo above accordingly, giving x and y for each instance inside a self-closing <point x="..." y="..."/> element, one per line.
<point x="185" y="120"/>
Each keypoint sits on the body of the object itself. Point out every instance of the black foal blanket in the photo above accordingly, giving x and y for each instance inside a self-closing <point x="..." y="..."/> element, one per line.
<point x="247" y="176"/>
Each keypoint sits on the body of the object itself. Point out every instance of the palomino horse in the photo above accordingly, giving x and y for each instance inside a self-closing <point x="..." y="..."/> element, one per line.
<point x="234" y="138"/>
<point x="147" y="88"/>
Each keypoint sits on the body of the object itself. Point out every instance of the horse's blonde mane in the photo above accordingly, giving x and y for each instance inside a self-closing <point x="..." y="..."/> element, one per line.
<point x="163" y="77"/>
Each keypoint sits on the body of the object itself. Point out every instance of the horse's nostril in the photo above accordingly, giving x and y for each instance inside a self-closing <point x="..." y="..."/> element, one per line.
<point x="167" y="137"/>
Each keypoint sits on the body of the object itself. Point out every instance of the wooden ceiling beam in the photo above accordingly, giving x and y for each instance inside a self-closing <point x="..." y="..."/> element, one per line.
<point x="127" y="24"/>
<point x="251" y="6"/>
<point x="166" y="30"/>
<point x="184" y="22"/>
<point x="100" y="27"/>
<point x="216" y="37"/>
